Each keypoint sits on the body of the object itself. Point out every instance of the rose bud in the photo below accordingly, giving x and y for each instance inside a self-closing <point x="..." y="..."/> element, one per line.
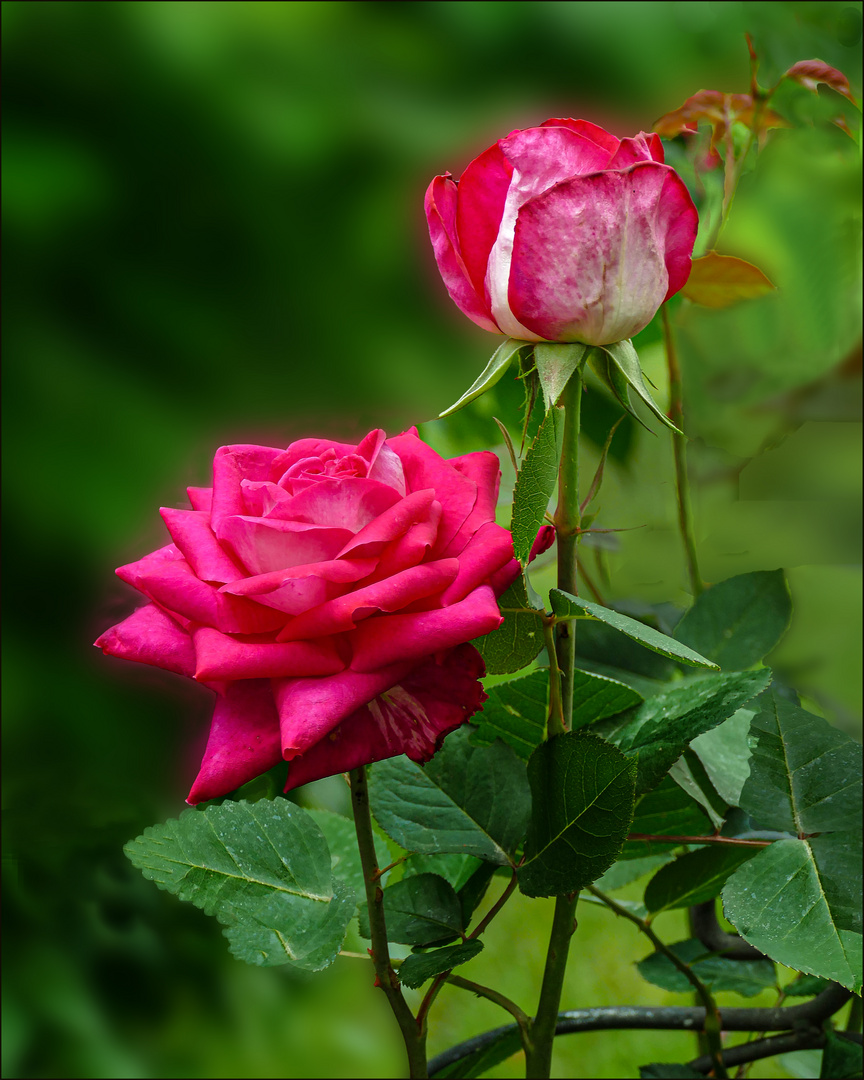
<point x="563" y="233"/>
<point x="327" y="593"/>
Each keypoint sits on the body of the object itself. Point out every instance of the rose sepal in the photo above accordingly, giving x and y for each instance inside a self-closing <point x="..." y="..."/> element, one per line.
<point x="491" y="374"/>
<point x="556" y="362"/>
<point x="617" y="365"/>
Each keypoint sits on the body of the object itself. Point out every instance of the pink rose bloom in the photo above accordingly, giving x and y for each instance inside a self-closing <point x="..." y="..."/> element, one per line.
<point x="326" y="593"/>
<point x="563" y="233"/>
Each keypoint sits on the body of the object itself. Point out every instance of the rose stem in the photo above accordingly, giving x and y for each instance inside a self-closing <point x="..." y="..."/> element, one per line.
<point x="538" y="1057"/>
<point x="413" y="1037"/>
<point x="679" y="447"/>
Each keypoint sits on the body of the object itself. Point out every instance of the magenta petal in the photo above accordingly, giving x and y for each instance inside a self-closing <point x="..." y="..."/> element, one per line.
<point x="641" y="147"/>
<point x="299" y="588"/>
<point x="150" y="636"/>
<point x="391" y="525"/>
<point x="482" y="193"/>
<point x="389" y="639"/>
<point x="200" y="498"/>
<point x="393" y="594"/>
<point x="166" y="577"/>
<point x="488" y="550"/>
<point x="412" y="548"/>
<point x="412" y="718"/>
<point x="190" y="530"/>
<point x="231" y="465"/>
<point x="345" y="503"/>
<point x="680" y="220"/>
<point x="221" y="657"/>
<point x="484" y="470"/>
<point x="588" y="130"/>
<point x="243" y="743"/>
<point x="309" y="709"/>
<point x="264" y="545"/>
<point x="441" y="218"/>
<point x="424" y="469"/>
<point x="589" y="256"/>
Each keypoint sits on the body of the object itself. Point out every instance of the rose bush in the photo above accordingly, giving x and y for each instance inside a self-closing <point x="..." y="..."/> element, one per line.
<point x="327" y="593"/>
<point x="563" y="233"/>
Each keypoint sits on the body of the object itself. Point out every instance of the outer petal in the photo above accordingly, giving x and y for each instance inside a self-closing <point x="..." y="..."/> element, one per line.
<point x="642" y="147"/>
<point x="200" y="498"/>
<point x="391" y="639"/>
<point x="150" y="636"/>
<point x="166" y="577"/>
<point x="410" y="718"/>
<point x="344" y="612"/>
<point x="590" y="131"/>
<point x="488" y="550"/>
<point x="309" y="709"/>
<point x="590" y="256"/>
<point x="680" y="219"/>
<point x="243" y="743"/>
<point x="300" y="588"/>
<point x="394" y="523"/>
<point x="220" y="657"/>
<point x="441" y="217"/>
<point x="231" y="464"/>
<point x="190" y="530"/>
<point x="485" y="470"/>
<point x="482" y="194"/>
<point x="541" y="158"/>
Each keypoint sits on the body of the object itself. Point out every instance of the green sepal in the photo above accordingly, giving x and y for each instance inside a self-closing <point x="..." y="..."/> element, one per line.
<point x="491" y="374"/>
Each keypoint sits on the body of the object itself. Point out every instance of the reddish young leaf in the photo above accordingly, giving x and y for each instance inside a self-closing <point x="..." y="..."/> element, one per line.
<point x="717" y="281"/>
<point x="721" y="111"/>
<point x="809" y="73"/>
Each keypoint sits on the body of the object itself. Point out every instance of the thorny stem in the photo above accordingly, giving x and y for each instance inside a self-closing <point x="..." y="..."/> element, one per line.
<point x="555" y="724"/>
<point x="412" y="1034"/>
<point x="499" y="999"/>
<point x="712" y="1016"/>
<point x="538" y="1052"/>
<point x="679" y="446"/>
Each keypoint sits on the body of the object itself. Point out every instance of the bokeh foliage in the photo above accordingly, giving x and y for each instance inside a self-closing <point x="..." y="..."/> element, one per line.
<point x="213" y="233"/>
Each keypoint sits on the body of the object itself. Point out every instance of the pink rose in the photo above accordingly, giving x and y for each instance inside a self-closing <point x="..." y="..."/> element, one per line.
<point x="563" y="233"/>
<point x="327" y="593"/>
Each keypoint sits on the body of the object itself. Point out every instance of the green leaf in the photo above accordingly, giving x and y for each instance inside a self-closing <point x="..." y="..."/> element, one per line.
<point x="716" y="281"/>
<point x="805" y="986"/>
<point x="805" y="776"/>
<point x="342" y="841"/>
<point x="661" y="727"/>
<point x="666" y="811"/>
<point x="487" y="1057"/>
<point x="490" y="375"/>
<point x="536" y="483"/>
<point x="689" y="774"/>
<point x="841" y="1059"/>
<point x="467" y="799"/>
<point x="798" y="901"/>
<point x="418" y="910"/>
<point x="725" y="754"/>
<point x="582" y="791"/>
<point x="262" y="869"/>
<point x="745" y="977"/>
<point x="474" y="889"/>
<point x="519" y="639"/>
<point x="515" y="712"/>
<point x="566" y="606"/>
<point x="456" y="869"/>
<point x="596" y="696"/>
<point x="674" y="1070"/>
<point x="418" y="967"/>
<point x="738" y="622"/>
<point x="555" y="363"/>
<point x="626" y="360"/>
<point x="289" y="929"/>
<point x="695" y="877"/>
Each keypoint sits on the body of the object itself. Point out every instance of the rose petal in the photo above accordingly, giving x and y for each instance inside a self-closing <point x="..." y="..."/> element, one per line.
<point x="643" y="147"/>
<point x="484" y="469"/>
<point x="200" y="498"/>
<point x="480" y="199"/>
<point x="231" y="465"/>
<point x="410" y="718"/>
<point x="440" y="206"/>
<point x="299" y="588"/>
<point x="590" y="256"/>
<point x="390" y="639"/>
<point x="264" y="545"/>
<point x="150" y="636"/>
<point x="424" y="469"/>
<point x="391" y="525"/>
<point x="243" y="743"/>
<point x="488" y="550"/>
<point x="190" y="530"/>
<point x="541" y="159"/>
<point x="346" y="503"/>
<point x="166" y="577"/>
<point x="588" y="130"/>
<point x="310" y="708"/>
<point x="412" y="548"/>
<point x="219" y="656"/>
<point x="384" y="464"/>
<point x="343" y="612"/>
<point x="306" y="448"/>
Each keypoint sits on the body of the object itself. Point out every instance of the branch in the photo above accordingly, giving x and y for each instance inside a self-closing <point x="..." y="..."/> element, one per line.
<point x="699" y="840"/>
<point x="668" y="1018"/>
<point x="703" y="919"/>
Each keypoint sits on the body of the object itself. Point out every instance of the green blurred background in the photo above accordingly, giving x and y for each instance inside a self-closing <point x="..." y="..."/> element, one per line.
<point x="214" y="233"/>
